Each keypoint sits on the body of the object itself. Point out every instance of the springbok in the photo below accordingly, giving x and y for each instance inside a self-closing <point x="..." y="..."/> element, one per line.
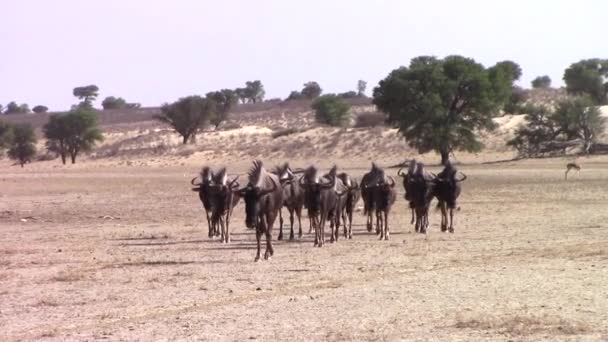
<point x="572" y="166"/>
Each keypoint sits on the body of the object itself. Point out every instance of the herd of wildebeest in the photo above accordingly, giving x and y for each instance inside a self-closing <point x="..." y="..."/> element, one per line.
<point x="328" y="198"/>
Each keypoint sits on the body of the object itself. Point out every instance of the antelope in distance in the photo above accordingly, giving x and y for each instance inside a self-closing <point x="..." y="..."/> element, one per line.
<point x="572" y="166"/>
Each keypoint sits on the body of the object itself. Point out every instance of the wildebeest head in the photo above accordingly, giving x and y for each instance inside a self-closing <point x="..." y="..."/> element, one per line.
<point x="206" y="175"/>
<point x="313" y="185"/>
<point x="260" y="184"/>
<point x="284" y="173"/>
<point x="448" y="175"/>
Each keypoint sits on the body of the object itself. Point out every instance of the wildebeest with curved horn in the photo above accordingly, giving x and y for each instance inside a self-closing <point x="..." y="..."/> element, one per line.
<point x="407" y="184"/>
<point x="223" y="201"/>
<point x="419" y="187"/>
<point x="383" y="195"/>
<point x="263" y="197"/>
<point x="204" y="193"/>
<point x="367" y="181"/>
<point x="293" y="198"/>
<point x="447" y="189"/>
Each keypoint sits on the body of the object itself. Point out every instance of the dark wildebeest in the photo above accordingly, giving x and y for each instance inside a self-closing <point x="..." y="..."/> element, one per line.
<point x="293" y="199"/>
<point x="223" y="201"/>
<point x="322" y="201"/>
<point x="420" y="191"/>
<point x="204" y="193"/>
<point x="369" y="179"/>
<point x="383" y="196"/>
<point x="352" y="197"/>
<point x="407" y="184"/>
<point x="447" y="189"/>
<point x="263" y="197"/>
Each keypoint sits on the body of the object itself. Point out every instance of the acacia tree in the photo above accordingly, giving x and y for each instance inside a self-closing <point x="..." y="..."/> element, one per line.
<point x="187" y="115"/>
<point x="86" y="94"/>
<point x="311" y="90"/>
<point x="438" y="104"/>
<point x="331" y="110"/>
<point x="254" y="91"/>
<point x="22" y="146"/>
<point x="6" y="135"/>
<point x="578" y="118"/>
<point x="224" y="100"/>
<point x="588" y="77"/>
<point x="541" y="82"/>
<point x="71" y="133"/>
<point x="112" y="102"/>
<point x="14" y="108"/>
<point x="40" y="109"/>
<point x="361" y="86"/>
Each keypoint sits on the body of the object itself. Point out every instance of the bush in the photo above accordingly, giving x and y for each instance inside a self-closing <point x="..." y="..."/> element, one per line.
<point x="370" y="120"/>
<point x="71" y="133"/>
<point x="541" y="82"/>
<point x="331" y="110"/>
<point x="22" y="147"/>
<point x="112" y="102"/>
<point x="40" y="109"/>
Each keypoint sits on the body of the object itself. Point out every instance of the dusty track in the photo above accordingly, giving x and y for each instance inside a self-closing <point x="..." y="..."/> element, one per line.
<point x="121" y="253"/>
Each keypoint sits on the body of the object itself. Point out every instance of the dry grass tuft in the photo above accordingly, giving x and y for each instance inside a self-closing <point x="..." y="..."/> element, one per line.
<point x="46" y="302"/>
<point x="69" y="276"/>
<point x="284" y="132"/>
<point x="522" y="325"/>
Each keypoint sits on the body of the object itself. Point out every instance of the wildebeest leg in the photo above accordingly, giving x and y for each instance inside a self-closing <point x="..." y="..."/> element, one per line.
<point x="258" y="236"/>
<point x="379" y="224"/>
<point x="317" y="240"/>
<point x="268" y="222"/>
<point x="413" y="220"/>
<point x="386" y="234"/>
<point x="280" y="237"/>
<point x="228" y="227"/>
<point x="451" y="220"/>
<point x="291" y="221"/>
<point x="370" y="224"/>
<point x="209" y="224"/>
<point x="444" y="217"/>
<point x="350" y="224"/>
<point x="321" y="229"/>
<point x="344" y="220"/>
<point x="222" y="228"/>
<point x="299" y="214"/>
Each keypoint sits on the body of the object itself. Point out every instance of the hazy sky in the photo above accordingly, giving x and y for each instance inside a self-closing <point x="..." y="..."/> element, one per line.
<point x="153" y="51"/>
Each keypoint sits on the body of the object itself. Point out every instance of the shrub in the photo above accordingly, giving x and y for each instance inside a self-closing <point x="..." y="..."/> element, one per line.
<point x="331" y="110"/>
<point x="370" y="119"/>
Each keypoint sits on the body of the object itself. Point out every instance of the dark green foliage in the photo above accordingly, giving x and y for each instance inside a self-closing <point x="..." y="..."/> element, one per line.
<point x="588" y="77"/>
<point x="254" y="91"/>
<point x="541" y="82"/>
<point x="241" y="94"/>
<point x="14" y="108"/>
<point x="86" y="95"/>
<point x="22" y="146"/>
<point x="6" y="135"/>
<point x="516" y="100"/>
<point x="224" y="100"/>
<point x="40" y="109"/>
<point x="331" y="110"/>
<point x="295" y="95"/>
<point x="112" y="102"/>
<point x="439" y="104"/>
<point x="311" y="90"/>
<point x="187" y="115"/>
<point x="576" y="118"/>
<point x="71" y="133"/>
<point x="361" y="86"/>
<point x="348" y="95"/>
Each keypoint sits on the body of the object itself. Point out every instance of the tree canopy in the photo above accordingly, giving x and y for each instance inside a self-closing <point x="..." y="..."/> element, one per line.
<point x="112" y="102"/>
<point x="588" y="77"/>
<point x="254" y="91"/>
<point x="361" y="86"/>
<point x="224" y="100"/>
<point x="438" y="104"/>
<point x="187" y="115"/>
<point x="86" y="94"/>
<point x="295" y="95"/>
<point x="40" y="109"/>
<point x="331" y="110"/>
<point x="71" y="133"/>
<point x="311" y="90"/>
<point x="6" y="135"/>
<point x="22" y="147"/>
<point x="14" y="108"/>
<point x="541" y="82"/>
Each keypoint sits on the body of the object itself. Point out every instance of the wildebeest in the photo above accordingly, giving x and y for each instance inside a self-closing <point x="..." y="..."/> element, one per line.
<point x="223" y="201"/>
<point x="382" y="195"/>
<point x="204" y="193"/>
<point x="351" y="198"/>
<point x="367" y="181"/>
<point x="419" y="187"/>
<point x="293" y="199"/>
<point x="263" y="197"/>
<point x="407" y="184"/>
<point x="322" y="201"/>
<point x="447" y="189"/>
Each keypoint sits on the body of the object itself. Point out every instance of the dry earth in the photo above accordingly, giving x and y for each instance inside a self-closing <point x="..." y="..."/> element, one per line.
<point x="106" y="251"/>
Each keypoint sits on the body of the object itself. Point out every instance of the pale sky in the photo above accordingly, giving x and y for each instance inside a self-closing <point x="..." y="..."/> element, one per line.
<point x="153" y="51"/>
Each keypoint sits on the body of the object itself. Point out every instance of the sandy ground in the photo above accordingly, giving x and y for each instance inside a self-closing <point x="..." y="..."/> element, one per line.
<point x="106" y="252"/>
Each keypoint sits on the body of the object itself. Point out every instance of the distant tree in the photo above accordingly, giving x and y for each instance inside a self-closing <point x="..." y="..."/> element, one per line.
<point x="361" y="86"/>
<point x="440" y="104"/>
<point x="541" y="82"/>
<point x="86" y="94"/>
<point x="503" y="76"/>
<point x="112" y="102"/>
<point x="224" y="100"/>
<point x="295" y="95"/>
<point x="254" y="91"/>
<point x="133" y="105"/>
<point x="311" y="90"/>
<point x="539" y="129"/>
<point x="516" y="100"/>
<point x="588" y="77"/>
<point x="331" y="110"/>
<point x="348" y="95"/>
<point x="71" y="133"/>
<point x="22" y="146"/>
<point x="6" y="135"/>
<point x="187" y="115"/>
<point x="241" y="94"/>
<point x="40" y="109"/>
<point x="14" y="108"/>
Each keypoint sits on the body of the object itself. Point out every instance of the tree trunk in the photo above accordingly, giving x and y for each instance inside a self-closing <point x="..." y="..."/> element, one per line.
<point x="73" y="157"/>
<point x="63" y="157"/>
<point x="22" y="163"/>
<point x="445" y="157"/>
<point x="186" y="137"/>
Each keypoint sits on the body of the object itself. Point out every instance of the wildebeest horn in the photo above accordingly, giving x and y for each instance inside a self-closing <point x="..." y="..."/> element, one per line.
<point x="234" y="182"/>
<point x="301" y="181"/>
<point x="399" y="173"/>
<point x="329" y="185"/>
<point x="266" y="192"/>
<point x="192" y="181"/>
<point x="463" y="177"/>
<point x="392" y="181"/>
